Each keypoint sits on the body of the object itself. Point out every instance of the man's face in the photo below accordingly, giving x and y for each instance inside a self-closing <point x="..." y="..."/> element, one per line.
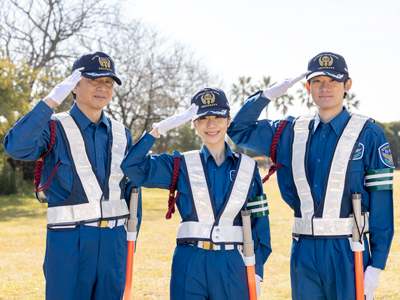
<point x="327" y="93"/>
<point x="94" y="93"/>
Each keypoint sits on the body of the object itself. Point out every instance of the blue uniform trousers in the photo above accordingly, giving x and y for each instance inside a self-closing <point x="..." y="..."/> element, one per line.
<point x="323" y="269"/>
<point x="87" y="263"/>
<point x="199" y="274"/>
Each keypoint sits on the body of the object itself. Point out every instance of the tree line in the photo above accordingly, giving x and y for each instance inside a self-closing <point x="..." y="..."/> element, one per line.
<point x="39" y="40"/>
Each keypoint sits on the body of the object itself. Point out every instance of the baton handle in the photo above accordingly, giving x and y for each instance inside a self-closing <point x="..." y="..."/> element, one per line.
<point x="133" y="206"/>
<point x="358" y="255"/>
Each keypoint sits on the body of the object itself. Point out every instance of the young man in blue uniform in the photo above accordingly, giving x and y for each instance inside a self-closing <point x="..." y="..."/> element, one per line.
<point x="214" y="185"/>
<point x="325" y="158"/>
<point x="86" y="249"/>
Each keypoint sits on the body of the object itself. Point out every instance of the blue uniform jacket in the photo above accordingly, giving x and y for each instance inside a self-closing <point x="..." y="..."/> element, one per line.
<point x="155" y="171"/>
<point x="30" y="138"/>
<point x="249" y="132"/>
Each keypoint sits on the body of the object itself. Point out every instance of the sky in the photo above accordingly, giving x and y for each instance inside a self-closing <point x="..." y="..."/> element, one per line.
<point x="277" y="38"/>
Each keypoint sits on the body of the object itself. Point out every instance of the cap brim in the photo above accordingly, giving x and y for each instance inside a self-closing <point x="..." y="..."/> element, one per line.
<point x="98" y="74"/>
<point x="214" y="111"/>
<point x="338" y="76"/>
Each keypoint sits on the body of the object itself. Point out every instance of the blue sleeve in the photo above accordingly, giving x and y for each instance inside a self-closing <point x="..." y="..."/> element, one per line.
<point x="30" y="136"/>
<point x="261" y="225"/>
<point x="151" y="171"/>
<point x="247" y="131"/>
<point x="381" y="219"/>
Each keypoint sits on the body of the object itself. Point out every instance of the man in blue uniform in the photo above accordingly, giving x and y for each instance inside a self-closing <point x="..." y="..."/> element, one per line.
<point x="214" y="185"/>
<point x="326" y="158"/>
<point x="86" y="248"/>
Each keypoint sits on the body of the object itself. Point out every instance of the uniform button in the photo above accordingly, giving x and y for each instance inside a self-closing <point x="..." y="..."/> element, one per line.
<point x="319" y="160"/>
<point x="217" y="229"/>
<point x="316" y="185"/>
<point x="43" y="110"/>
<point x="323" y="135"/>
<point x="99" y="155"/>
<point x="217" y="237"/>
<point x="145" y="140"/>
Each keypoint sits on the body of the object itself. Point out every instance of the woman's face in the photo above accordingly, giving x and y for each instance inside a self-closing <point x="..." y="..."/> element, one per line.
<point x="212" y="129"/>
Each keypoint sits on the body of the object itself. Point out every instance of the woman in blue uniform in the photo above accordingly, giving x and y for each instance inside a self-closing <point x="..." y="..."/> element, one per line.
<point x="214" y="185"/>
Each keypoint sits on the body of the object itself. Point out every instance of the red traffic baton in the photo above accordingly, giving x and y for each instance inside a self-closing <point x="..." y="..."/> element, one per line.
<point x="248" y="252"/>
<point x="357" y="245"/>
<point x="131" y="237"/>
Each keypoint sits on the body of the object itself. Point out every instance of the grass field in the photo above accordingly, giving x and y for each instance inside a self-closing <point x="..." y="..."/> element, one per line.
<point x="22" y="246"/>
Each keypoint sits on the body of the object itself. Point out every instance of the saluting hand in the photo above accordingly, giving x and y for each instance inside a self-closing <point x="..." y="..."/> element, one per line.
<point x="177" y="120"/>
<point x="281" y="88"/>
<point x="62" y="90"/>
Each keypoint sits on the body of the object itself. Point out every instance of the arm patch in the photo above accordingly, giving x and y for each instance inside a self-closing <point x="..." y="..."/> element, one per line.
<point x="258" y="206"/>
<point x="379" y="180"/>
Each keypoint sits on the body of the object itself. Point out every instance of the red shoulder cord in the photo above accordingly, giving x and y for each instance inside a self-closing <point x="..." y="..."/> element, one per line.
<point x="172" y="199"/>
<point x="274" y="144"/>
<point x="40" y="161"/>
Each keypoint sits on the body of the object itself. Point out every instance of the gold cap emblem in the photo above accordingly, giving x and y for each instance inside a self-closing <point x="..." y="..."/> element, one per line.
<point x="104" y="62"/>
<point x="208" y="98"/>
<point x="326" y="61"/>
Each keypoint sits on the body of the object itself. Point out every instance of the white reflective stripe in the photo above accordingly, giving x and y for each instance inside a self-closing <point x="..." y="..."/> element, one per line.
<point x="379" y="183"/>
<point x="198" y="183"/>
<point x="81" y="161"/>
<point x="302" y="226"/>
<point x="301" y="132"/>
<point x="117" y="155"/>
<point x="254" y="210"/>
<point x="240" y="190"/>
<point x="378" y="176"/>
<point x="114" y="208"/>
<point x="328" y="227"/>
<point x="73" y="213"/>
<point x="194" y="230"/>
<point x="256" y="203"/>
<point x="227" y="234"/>
<point x="86" y="211"/>
<point x="337" y="175"/>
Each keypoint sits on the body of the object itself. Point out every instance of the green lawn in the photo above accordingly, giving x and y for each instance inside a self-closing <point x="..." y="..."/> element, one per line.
<point x="23" y="232"/>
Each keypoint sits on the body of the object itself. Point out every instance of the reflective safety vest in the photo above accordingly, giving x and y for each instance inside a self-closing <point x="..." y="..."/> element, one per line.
<point x="326" y="219"/>
<point x="90" y="200"/>
<point x="204" y="224"/>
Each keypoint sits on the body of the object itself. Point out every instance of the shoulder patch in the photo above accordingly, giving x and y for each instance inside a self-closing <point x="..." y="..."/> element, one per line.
<point x="359" y="153"/>
<point x="232" y="174"/>
<point x="386" y="155"/>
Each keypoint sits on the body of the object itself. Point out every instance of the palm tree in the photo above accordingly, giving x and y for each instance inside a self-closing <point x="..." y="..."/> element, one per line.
<point x="304" y="95"/>
<point x="263" y="85"/>
<point x="242" y="90"/>
<point x="351" y="101"/>
<point x="283" y="102"/>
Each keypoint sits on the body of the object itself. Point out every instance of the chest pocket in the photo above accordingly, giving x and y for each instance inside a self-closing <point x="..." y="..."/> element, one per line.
<point x="64" y="173"/>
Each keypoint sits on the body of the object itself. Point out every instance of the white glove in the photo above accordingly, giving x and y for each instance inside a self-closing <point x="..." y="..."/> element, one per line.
<point x="61" y="90"/>
<point x="258" y="286"/>
<point x="371" y="278"/>
<point x="281" y="88"/>
<point x="176" y="120"/>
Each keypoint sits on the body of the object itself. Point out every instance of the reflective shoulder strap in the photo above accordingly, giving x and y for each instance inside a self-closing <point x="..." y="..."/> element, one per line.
<point x="199" y="187"/>
<point x="78" y="151"/>
<point x="300" y="137"/>
<point x="338" y="170"/>
<point x="117" y="155"/>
